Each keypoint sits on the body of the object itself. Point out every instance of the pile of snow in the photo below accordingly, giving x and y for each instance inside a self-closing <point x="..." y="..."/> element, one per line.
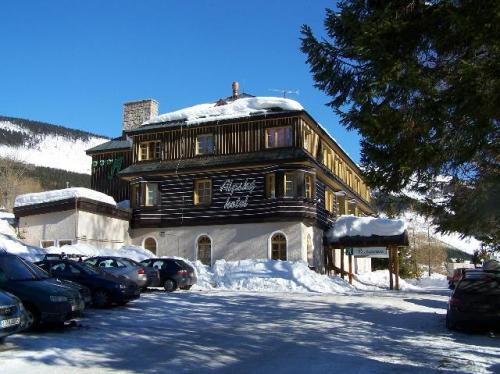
<point x="267" y="276"/>
<point x="50" y="150"/>
<point x="235" y="109"/>
<point x="434" y="281"/>
<point x="365" y="226"/>
<point x="86" y="250"/>
<point x="67" y="193"/>
<point x="380" y="279"/>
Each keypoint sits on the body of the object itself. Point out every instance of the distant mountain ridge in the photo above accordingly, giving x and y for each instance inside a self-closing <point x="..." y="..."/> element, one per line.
<point x="48" y="145"/>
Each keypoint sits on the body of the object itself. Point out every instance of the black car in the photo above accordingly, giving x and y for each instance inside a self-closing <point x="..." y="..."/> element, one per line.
<point x="84" y="291"/>
<point x="173" y="273"/>
<point x="44" y="301"/>
<point x="106" y="289"/>
<point x="12" y="315"/>
<point x="475" y="302"/>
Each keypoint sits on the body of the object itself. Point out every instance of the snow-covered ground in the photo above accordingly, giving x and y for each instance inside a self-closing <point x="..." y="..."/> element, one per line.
<point x="252" y="332"/>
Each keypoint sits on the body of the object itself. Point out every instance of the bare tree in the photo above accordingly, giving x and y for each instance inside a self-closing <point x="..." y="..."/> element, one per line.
<point x="12" y="177"/>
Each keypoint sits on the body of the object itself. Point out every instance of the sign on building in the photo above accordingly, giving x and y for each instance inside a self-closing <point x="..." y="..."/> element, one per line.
<point x="376" y="252"/>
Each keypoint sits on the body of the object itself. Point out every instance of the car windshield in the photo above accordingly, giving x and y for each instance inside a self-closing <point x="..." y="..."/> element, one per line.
<point x="131" y="262"/>
<point x="15" y="269"/>
<point x="39" y="272"/>
<point x="89" y="269"/>
<point x="480" y="285"/>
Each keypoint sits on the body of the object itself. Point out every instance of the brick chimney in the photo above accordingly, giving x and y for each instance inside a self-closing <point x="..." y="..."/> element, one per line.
<point x="136" y="112"/>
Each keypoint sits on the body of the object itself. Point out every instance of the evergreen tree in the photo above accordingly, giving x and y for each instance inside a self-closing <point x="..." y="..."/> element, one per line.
<point x="420" y="81"/>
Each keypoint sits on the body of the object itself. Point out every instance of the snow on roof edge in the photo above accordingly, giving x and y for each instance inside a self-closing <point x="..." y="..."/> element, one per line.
<point x="349" y="225"/>
<point x="67" y="193"/>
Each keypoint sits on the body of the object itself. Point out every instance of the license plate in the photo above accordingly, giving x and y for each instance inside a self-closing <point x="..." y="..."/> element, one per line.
<point x="10" y="322"/>
<point x="75" y="307"/>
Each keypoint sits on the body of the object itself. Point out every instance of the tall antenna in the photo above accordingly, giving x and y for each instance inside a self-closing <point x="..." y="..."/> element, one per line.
<point x="284" y="91"/>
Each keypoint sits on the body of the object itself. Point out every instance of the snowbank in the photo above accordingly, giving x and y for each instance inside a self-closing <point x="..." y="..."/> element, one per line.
<point x="67" y="193"/>
<point x="267" y="276"/>
<point x="235" y="109"/>
<point x="86" y="250"/>
<point x="435" y="281"/>
<point x="380" y="279"/>
<point x="365" y="226"/>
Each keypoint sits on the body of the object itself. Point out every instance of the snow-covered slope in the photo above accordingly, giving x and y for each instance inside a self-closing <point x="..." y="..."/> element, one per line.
<point x="47" y="145"/>
<point x="419" y="224"/>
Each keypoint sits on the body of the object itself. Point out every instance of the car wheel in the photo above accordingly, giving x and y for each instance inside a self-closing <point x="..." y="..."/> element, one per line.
<point x="123" y="303"/>
<point x="170" y="285"/>
<point x="32" y="317"/>
<point x="100" y="298"/>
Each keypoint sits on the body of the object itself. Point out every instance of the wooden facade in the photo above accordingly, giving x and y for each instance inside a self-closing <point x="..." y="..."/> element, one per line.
<point x="105" y="168"/>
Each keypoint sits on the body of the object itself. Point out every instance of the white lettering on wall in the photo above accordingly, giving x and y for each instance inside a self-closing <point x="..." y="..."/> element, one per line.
<point x="231" y="187"/>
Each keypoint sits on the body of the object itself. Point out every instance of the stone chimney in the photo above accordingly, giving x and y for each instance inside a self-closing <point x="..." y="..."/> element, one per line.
<point x="137" y="112"/>
<point x="236" y="89"/>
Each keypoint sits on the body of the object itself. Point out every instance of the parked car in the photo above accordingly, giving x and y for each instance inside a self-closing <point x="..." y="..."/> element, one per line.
<point x="475" y="302"/>
<point x="106" y="289"/>
<point x="84" y="291"/>
<point x="121" y="266"/>
<point x="173" y="273"/>
<point x="44" y="301"/>
<point x="12" y="315"/>
<point x="459" y="274"/>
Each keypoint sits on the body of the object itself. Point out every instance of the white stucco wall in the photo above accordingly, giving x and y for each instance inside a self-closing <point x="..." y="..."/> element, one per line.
<point x="232" y="242"/>
<point x="48" y="226"/>
<point x="101" y="231"/>
<point x="97" y="230"/>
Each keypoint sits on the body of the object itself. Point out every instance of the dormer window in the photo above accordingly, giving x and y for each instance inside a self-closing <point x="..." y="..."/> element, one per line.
<point x="278" y="137"/>
<point x="205" y="144"/>
<point x="149" y="150"/>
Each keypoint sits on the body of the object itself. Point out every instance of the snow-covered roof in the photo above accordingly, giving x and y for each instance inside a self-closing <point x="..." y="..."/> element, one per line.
<point x="67" y="193"/>
<point x="365" y="226"/>
<point x="243" y="107"/>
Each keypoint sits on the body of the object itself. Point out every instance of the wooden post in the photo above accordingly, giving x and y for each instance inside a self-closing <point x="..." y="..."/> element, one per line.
<point x="342" y="262"/>
<point x="350" y="269"/>
<point x="325" y="259"/>
<point x="396" y="267"/>
<point x="390" y="268"/>
<point x="334" y="252"/>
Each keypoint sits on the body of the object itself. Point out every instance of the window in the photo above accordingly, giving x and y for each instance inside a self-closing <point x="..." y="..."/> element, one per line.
<point x="309" y="140"/>
<point x="204" y="144"/>
<point x="309" y="187"/>
<point x="341" y="204"/>
<point x="278" y="247"/>
<point x="329" y="201"/>
<point x="310" y="252"/>
<point x="135" y="195"/>
<point x="150" y="244"/>
<point x="151" y="194"/>
<point x="202" y="192"/>
<point x="64" y="242"/>
<point x="150" y="150"/>
<point x="290" y="185"/>
<point x="328" y="158"/>
<point x="47" y="243"/>
<point x="271" y="186"/>
<point x="204" y="250"/>
<point x="278" y="137"/>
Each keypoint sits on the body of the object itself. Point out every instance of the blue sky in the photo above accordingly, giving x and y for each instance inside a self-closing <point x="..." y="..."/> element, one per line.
<point x="75" y="63"/>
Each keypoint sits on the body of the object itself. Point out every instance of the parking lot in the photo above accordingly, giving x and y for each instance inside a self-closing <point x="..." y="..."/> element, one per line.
<point x="227" y="332"/>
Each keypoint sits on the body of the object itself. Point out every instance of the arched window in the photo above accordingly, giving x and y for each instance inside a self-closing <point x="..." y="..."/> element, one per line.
<point x="278" y="247"/>
<point x="150" y="244"/>
<point x="205" y="250"/>
<point x="310" y="254"/>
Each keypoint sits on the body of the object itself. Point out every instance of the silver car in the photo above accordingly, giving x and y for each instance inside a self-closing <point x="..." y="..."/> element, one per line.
<point x="121" y="266"/>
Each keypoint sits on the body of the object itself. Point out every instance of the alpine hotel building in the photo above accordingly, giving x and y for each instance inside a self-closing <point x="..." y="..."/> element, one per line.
<point x="242" y="178"/>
